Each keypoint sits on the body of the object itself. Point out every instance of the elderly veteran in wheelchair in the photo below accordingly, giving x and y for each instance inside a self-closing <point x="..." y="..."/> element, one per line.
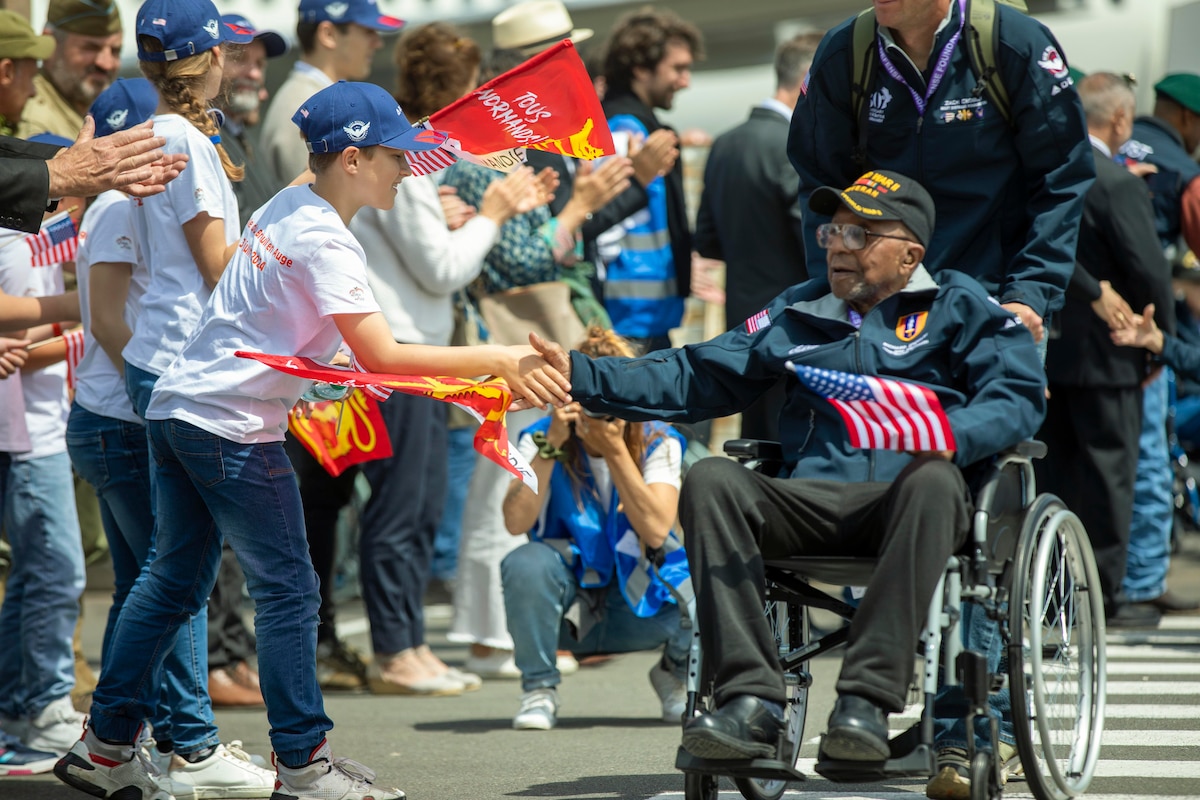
<point x="879" y="314"/>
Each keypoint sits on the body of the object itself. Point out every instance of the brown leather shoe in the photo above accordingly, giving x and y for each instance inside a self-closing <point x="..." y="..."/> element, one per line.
<point x="244" y="675"/>
<point x="1170" y="603"/>
<point x="226" y="692"/>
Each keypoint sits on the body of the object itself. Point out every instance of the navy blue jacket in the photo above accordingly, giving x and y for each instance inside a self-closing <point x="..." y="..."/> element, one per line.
<point x="1008" y="199"/>
<point x="982" y="364"/>
<point x="1160" y="144"/>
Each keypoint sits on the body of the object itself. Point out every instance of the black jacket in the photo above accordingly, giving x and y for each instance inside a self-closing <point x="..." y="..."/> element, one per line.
<point x="616" y="103"/>
<point x="749" y="217"/>
<point x="24" y="183"/>
<point x="1118" y="244"/>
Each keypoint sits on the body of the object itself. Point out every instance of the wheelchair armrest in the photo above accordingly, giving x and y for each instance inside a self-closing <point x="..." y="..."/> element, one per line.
<point x="1030" y="448"/>
<point x="754" y="450"/>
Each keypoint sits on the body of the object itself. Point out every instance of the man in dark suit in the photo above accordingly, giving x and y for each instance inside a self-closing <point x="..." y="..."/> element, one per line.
<point x="749" y="217"/>
<point x="1094" y="415"/>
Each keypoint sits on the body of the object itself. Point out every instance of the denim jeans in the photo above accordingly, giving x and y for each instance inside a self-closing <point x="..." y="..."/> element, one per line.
<point x="1187" y="421"/>
<point x="208" y="487"/>
<point x="138" y="385"/>
<point x="538" y="590"/>
<point x="461" y="465"/>
<point x="1153" y="502"/>
<point x="41" y="599"/>
<point x="113" y="456"/>
<point x="981" y="634"/>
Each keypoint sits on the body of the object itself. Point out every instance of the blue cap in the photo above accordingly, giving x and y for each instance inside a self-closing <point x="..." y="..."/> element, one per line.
<point x="127" y="102"/>
<point x="275" y="43"/>
<point x="51" y="138"/>
<point x="359" y="115"/>
<point x="360" y="12"/>
<point x="185" y="28"/>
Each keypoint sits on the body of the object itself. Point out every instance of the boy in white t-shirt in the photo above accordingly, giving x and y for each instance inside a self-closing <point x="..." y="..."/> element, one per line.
<point x="297" y="285"/>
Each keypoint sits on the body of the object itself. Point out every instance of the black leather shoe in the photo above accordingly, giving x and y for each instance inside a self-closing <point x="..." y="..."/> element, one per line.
<point x="1134" y="615"/>
<point x="742" y="728"/>
<point x="857" y="731"/>
<point x="1170" y="603"/>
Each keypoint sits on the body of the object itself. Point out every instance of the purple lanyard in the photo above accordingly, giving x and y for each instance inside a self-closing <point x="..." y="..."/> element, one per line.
<point x="939" y="70"/>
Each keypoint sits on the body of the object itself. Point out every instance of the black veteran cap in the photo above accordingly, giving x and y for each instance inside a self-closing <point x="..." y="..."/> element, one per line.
<point x="881" y="195"/>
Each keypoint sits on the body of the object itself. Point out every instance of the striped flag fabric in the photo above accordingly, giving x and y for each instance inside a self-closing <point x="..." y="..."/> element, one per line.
<point x="759" y="321"/>
<point x="55" y="243"/>
<point x="73" y="339"/>
<point x="882" y="413"/>
<point x="427" y="162"/>
<point x="379" y="393"/>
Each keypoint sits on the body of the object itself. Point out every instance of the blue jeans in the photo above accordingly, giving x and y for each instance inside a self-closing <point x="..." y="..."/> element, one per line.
<point x="113" y="456"/>
<point x="461" y="465"/>
<point x="208" y="487"/>
<point x="1187" y="421"/>
<point x="1153" y="502"/>
<point x="538" y="590"/>
<point x="41" y="598"/>
<point x="950" y="706"/>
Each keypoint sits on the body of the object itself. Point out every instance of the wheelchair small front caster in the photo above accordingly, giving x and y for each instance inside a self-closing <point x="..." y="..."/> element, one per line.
<point x="983" y="777"/>
<point x="700" y="786"/>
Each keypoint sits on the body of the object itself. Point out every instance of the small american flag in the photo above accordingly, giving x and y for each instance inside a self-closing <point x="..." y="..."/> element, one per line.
<point x="427" y="162"/>
<point x="56" y="243"/>
<point x="74" y="341"/>
<point x="882" y="413"/>
<point x="759" y="321"/>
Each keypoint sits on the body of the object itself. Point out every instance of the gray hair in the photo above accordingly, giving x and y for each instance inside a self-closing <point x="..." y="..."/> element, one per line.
<point x="793" y="58"/>
<point x="1104" y="94"/>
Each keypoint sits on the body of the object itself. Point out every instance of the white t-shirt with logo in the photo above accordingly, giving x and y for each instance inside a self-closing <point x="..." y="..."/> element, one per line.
<point x="44" y="391"/>
<point x="176" y="294"/>
<point x="107" y="236"/>
<point x="295" y="266"/>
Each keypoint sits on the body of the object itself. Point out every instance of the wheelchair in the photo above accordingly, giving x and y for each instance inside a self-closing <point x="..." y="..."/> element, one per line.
<point x="1029" y="565"/>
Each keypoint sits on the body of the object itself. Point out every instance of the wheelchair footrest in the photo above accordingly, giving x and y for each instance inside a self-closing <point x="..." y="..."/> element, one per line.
<point x="767" y="768"/>
<point x="918" y="763"/>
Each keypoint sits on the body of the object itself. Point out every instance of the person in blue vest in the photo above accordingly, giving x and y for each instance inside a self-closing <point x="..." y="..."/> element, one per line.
<point x="587" y="581"/>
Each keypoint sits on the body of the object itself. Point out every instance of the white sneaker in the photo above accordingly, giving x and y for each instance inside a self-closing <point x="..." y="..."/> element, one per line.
<point x="566" y="664"/>
<point x="499" y="664"/>
<point x="225" y="773"/>
<point x="539" y="710"/>
<point x="57" y="728"/>
<point x="329" y="778"/>
<point x="104" y="770"/>
<point x="671" y="693"/>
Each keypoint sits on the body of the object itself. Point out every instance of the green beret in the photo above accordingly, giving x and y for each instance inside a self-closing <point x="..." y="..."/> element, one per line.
<point x="1183" y="88"/>
<point x="17" y="39"/>
<point x="85" y="17"/>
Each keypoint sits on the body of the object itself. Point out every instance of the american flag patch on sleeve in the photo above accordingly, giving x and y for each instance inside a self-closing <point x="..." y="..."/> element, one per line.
<point x="759" y="321"/>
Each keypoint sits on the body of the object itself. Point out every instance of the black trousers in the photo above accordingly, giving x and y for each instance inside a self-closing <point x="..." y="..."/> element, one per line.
<point x="734" y="518"/>
<point x="229" y="640"/>
<point x="323" y="497"/>
<point x="408" y="493"/>
<point x="1092" y="437"/>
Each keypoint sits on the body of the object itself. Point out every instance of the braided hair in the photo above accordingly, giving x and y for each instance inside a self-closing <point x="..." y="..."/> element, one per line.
<point x="180" y="84"/>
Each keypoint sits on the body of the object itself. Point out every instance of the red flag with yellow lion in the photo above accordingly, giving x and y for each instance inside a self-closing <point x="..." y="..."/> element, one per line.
<point x="547" y="103"/>
<point x="487" y="401"/>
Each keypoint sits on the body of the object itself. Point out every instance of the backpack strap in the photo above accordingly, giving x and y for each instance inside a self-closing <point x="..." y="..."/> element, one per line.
<point x="982" y="52"/>
<point x="863" y="63"/>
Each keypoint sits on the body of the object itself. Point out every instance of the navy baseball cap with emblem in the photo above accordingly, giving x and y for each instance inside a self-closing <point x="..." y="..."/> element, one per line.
<point x="359" y="115"/>
<point x="881" y="195"/>
<point x="128" y="102"/>
<point x="339" y="12"/>
<point x="184" y="29"/>
<point x="273" y="41"/>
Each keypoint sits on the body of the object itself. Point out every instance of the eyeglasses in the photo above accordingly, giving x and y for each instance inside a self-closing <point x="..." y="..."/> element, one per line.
<point x="854" y="237"/>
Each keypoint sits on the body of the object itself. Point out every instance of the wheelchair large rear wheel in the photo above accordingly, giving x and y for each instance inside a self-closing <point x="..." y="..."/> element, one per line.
<point x="789" y="623"/>
<point x="1056" y="652"/>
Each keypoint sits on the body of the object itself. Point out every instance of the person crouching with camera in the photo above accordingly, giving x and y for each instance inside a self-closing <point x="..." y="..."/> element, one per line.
<point x="604" y="571"/>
